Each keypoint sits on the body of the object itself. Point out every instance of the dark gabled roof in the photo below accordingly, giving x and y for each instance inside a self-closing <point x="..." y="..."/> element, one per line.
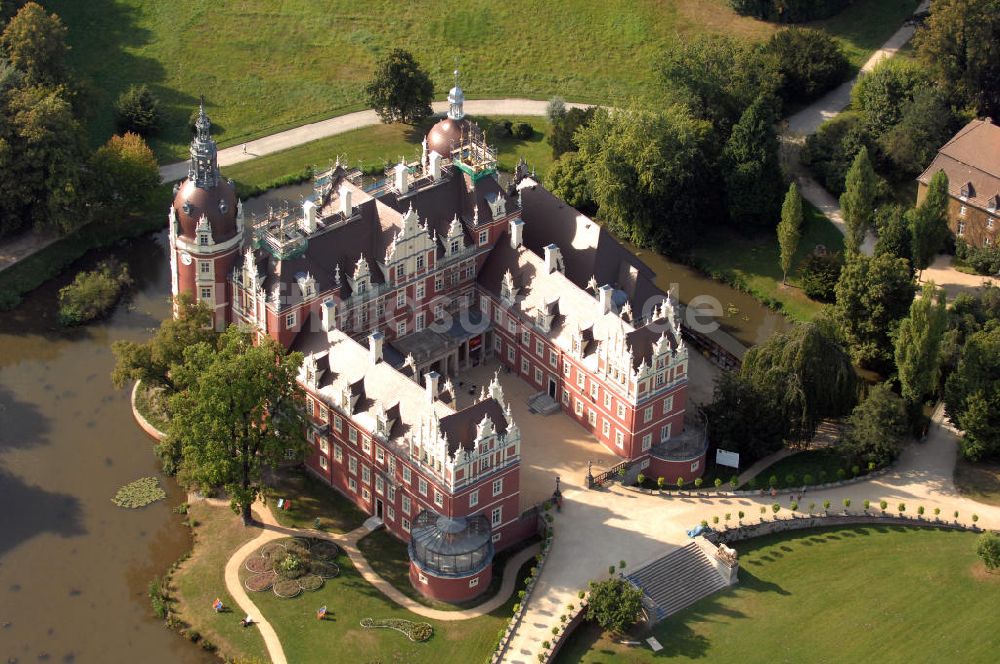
<point x="460" y="428"/>
<point x="971" y="160"/>
<point x="644" y="340"/>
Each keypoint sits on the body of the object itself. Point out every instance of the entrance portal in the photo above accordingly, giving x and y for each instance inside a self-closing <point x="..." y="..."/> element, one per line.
<point x="552" y="388"/>
<point x="378" y="507"/>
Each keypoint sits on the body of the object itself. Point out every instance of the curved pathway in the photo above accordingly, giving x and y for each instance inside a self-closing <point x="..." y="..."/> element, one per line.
<point x="344" y="123"/>
<point x="272" y="530"/>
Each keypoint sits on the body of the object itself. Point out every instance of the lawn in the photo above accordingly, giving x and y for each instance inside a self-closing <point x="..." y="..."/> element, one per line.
<point x="856" y="594"/>
<point x="752" y="263"/>
<point x="372" y="148"/>
<point x="311" y="499"/>
<point x="200" y="579"/>
<point x="979" y="481"/>
<point x="265" y="66"/>
<point x="823" y="464"/>
<point x="340" y="638"/>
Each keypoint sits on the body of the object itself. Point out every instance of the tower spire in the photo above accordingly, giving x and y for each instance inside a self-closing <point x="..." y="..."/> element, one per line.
<point x="456" y="98"/>
<point x="203" y="168"/>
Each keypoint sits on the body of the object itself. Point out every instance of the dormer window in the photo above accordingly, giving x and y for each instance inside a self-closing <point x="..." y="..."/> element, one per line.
<point x="223" y="208"/>
<point x="186" y="207"/>
<point x="455" y="246"/>
<point x="362" y="286"/>
<point x="967" y="191"/>
<point x="993" y="203"/>
<point x="203" y="239"/>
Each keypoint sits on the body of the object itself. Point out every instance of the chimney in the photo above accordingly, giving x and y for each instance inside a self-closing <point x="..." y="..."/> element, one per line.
<point x="431" y="379"/>
<point x="402" y="179"/>
<point x="345" y="201"/>
<point x="309" y="216"/>
<point x="551" y="258"/>
<point x="604" y="297"/>
<point x="375" y="340"/>
<point x="328" y="315"/>
<point x="516" y="233"/>
<point x="435" y="160"/>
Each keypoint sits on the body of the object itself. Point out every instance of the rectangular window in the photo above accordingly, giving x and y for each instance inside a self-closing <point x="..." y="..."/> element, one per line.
<point x="565" y="398"/>
<point x="324" y="446"/>
<point x="538" y="375"/>
<point x="406" y="504"/>
<point x="525" y="338"/>
<point x="337" y="423"/>
<point x="204" y="267"/>
<point x="607" y="401"/>
<point x="473" y="582"/>
<point x="578" y="407"/>
<point x="511" y="354"/>
<point x="593" y="389"/>
<point x="647" y="441"/>
<point x="497" y="536"/>
<point x="379" y="485"/>
<point x="390" y="513"/>
<point x="323" y="463"/>
<point x="454" y="246"/>
<point x="401" y="329"/>
<point x="567" y="369"/>
<point x="422" y="486"/>
<point x="695" y="466"/>
<point x="619" y="439"/>
<point x="497" y="487"/>
<point x="484" y="237"/>
<point x="647" y="415"/>
<point x="438" y="284"/>
<point x="353" y="484"/>
<point x="406" y="528"/>
<point x="664" y="432"/>
<point x="539" y="348"/>
<point x="366" y="474"/>
<point x="553" y="359"/>
<point x="961" y="227"/>
<point x="962" y="210"/>
<point x="474" y="498"/>
<point x="581" y="379"/>
<point x="401" y="299"/>
<point x="420" y="261"/>
<point x="512" y="325"/>
<point x="338" y="454"/>
<point x="392" y="494"/>
<point x="668" y="404"/>
<point x="206" y="293"/>
<point x="606" y="428"/>
<point x="365" y="493"/>
<point x="438" y="498"/>
<point x="352" y="464"/>
<point x="621" y="411"/>
<point x="290" y="320"/>
<point x="352" y="435"/>
<point x="406" y="474"/>
<point x="203" y="239"/>
<point x="497" y="316"/>
<point x="438" y="311"/>
<point x="379" y="454"/>
<point x="525" y="367"/>
<point x="421" y="291"/>
<point x="418" y="323"/>
<point x="591" y="417"/>
<point x="484" y="305"/>
<point x="496" y="518"/>
<point x="324" y="414"/>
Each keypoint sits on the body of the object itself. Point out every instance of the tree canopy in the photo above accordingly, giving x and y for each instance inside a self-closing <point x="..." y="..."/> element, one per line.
<point x="648" y="172"/>
<point x="615" y="604"/>
<point x="35" y="43"/>
<point x="877" y="428"/>
<point x="124" y="172"/>
<point x="880" y="96"/>
<point x="137" y="110"/>
<point x="893" y="233"/>
<point x="567" y="179"/>
<point x="810" y="62"/>
<point x="960" y="45"/>
<point x="972" y="394"/>
<point x="752" y="173"/>
<point x="789" y="229"/>
<point x="873" y="295"/>
<point x="745" y="417"/>
<point x="400" y="90"/>
<point x="239" y="410"/>
<point x="857" y="203"/>
<point x="810" y="372"/>
<point x="918" y="344"/>
<point x="929" y="222"/>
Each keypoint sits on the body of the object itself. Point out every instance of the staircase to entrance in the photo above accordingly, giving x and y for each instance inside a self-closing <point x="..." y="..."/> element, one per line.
<point x="676" y="581"/>
<point x="543" y="403"/>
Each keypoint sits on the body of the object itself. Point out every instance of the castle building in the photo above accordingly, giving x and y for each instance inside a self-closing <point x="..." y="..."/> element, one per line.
<point x="393" y="288"/>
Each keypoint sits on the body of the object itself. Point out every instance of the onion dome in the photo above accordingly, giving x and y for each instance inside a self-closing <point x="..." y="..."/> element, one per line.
<point x="205" y="194"/>
<point x="449" y="134"/>
<point x="451" y="546"/>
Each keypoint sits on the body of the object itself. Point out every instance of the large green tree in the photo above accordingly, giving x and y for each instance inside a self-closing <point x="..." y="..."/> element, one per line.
<point x="154" y="361"/>
<point x="857" y="203"/>
<point x="881" y="95"/>
<point x="960" y="45"/>
<point x="918" y="344"/>
<point x="35" y="43"/>
<point x="810" y="62"/>
<point x="877" y="428"/>
<point x="562" y="136"/>
<point x="972" y="394"/>
<point x="929" y="222"/>
<point x="746" y="418"/>
<point x="615" y="604"/>
<point x="567" y="179"/>
<point x="873" y="295"/>
<point x="809" y="371"/>
<point x="752" y="173"/>
<point x="124" y="173"/>
<point x="789" y="229"/>
<point x="893" y="233"/>
<point x="400" y="90"/>
<point x="926" y="124"/>
<point x="649" y="173"/>
<point x="239" y="411"/>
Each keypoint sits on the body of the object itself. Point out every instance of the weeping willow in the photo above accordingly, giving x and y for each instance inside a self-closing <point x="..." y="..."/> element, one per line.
<point x="809" y="373"/>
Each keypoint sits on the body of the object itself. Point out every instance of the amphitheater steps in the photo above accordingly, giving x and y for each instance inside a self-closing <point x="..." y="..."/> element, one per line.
<point x="676" y="581"/>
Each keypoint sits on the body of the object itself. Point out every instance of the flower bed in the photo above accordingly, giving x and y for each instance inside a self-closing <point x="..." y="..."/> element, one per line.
<point x="414" y="631"/>
<point x="139" y="493"/>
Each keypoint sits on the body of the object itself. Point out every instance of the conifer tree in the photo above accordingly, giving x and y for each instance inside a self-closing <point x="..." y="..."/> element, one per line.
<point x="857" y="203"/>
<point x="789" y="229"/>
<point x="752" y="173"/>
<point x="929" y="222"/>
<point x="918" y="344"/>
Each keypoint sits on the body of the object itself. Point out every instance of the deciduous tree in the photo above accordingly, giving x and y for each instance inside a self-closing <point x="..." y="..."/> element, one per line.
<point x="857" y="203"/>
<point x="877" y="428"/>
<point x="137" y="110"/>
<point x="753" y="180"/>
<point x="124" y="173"/>
<point x="810" y="62"/>
<point x="567" y="179"/>
<point x="893" y="233"/>
<point x="918" y="344"/>
<point x="789" y="229"/>
<point x="873" y="295"/>
<point x="400" y="90"/>
<point x="929" y="222"/>
<point x="615" y="604"/>
<point x="972" y="394"/>
<point x="35" y="43"/>
<point x="881" y="94"/>
<point x="239" y="411"/>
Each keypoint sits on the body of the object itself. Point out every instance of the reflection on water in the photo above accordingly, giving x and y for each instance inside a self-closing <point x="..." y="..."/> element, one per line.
<point x="742" y="316"/>
<point x="73" y="567"/>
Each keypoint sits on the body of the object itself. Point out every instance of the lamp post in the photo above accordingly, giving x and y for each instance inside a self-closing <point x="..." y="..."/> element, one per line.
<point x="590" y="474"/>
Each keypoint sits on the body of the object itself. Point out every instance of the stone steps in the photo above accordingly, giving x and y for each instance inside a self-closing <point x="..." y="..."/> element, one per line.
<point x="676" y="581"/>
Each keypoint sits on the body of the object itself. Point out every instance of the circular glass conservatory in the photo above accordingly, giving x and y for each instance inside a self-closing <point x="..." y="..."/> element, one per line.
<point x="451" y="546"/>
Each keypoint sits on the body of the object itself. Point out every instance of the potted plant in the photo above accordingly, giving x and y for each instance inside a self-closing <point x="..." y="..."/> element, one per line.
<point x="698" y="482"/>
<point x="847" y="505"/>
<point x="718" y="484"/>
<point x="660" y="483"/>
<point x="741" y="515"/>
<point x="883" y="505"/>
<point x="826" y="507"/>
<point x="763" y="511"/>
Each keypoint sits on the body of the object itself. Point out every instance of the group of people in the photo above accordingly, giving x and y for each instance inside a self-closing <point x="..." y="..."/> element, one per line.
<point x="221" y="608"/>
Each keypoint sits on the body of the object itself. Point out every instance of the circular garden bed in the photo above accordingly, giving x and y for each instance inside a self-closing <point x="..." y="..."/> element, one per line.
<point x="289" y="566"/>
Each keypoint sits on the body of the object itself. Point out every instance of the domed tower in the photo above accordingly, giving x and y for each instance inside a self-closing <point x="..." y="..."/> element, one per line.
<point x="448" y="134"/>
<point x="206" y="228"/>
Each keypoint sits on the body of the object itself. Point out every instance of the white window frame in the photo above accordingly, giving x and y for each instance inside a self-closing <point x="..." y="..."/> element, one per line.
<point x="474" y="498"/>
<point x="496" y="516"/>
<point x="668" y="404"/>
<point x="497" y="487"/>
<point x="290" y="320"/>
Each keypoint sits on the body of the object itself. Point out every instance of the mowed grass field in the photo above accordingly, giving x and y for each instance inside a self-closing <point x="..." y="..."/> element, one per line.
<point x="264" y="66"/>
<point x="857" y="594"/>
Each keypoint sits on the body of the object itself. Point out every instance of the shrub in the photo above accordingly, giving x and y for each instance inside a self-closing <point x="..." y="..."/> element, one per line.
<point x="640" y="480"/>
<point x="581" y="594"/>
<point x="772" y="481"/>
<point x="920" y="510"/>
<point x="871" y="466"/>
<point x="883" y="505"/>
<point x="704" y="523"/>
<point x="718" y="483"/>
<point x="734" y="482"/>
<point x="937" y="511"/>
<point x="92" y="294"/>
<point x="975" y="518"/>
<point x="555" y="631"/>
<point x="811" y="62"/>
<point x="807" y="479"/>
<point x="715" y="519"/>
<point x="847" y="503"/>
<point x="988" y="548"/>
<point x="516" y="608"/>
<point x="855" y="471"/>
<point x="660" y="483"/>
<point x="818" y="275"/>
<point x="680" y="482"/>
<point x="830" y="152"/>
<point x="741" y="515"/>
<point x="728" y="516"/>
<point x="138" y="111"/>
<point x="546" y="644"/>
<point x="794" y="506"/>
<point x="776" y="508"/>
<point x="788" y="11"/>
<point x="522" y="130"/>
<point x="867" y="504"/>
<point x="901" y="507"/>
<point x="984" y="260"/>
<point x="841" y="474"/>
<point x="956" y="515"/>
<point x="503" y="129"/>
<point x="826" y="504"/>
<point x="698" y="482"/>
<point x="790" y="479"/>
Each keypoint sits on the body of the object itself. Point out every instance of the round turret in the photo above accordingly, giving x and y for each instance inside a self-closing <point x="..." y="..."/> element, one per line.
<point x="216" y="204"/>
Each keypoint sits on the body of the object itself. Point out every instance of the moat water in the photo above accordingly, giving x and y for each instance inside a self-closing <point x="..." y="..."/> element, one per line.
<point x="74" y="568"/>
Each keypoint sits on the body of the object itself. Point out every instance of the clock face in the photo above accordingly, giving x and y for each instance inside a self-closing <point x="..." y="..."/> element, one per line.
<point x="185" y="258"/>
